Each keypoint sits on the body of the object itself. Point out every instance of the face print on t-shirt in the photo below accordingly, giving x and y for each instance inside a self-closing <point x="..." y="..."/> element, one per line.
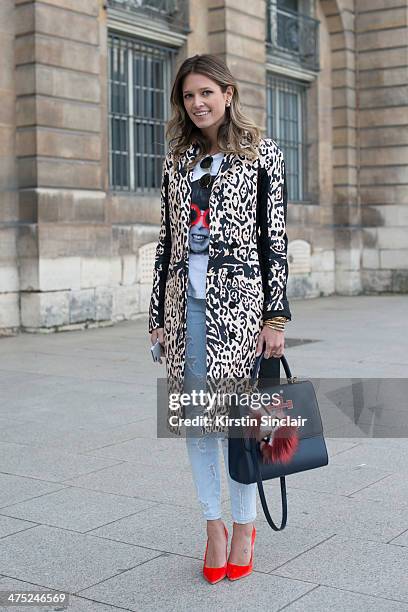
<point x="199" y="236"/>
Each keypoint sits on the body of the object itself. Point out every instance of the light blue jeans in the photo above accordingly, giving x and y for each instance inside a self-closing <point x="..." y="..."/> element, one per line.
<point x="203" y="450"/>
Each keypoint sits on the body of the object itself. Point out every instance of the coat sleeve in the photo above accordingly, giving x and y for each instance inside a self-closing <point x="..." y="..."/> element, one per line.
<point x="162" y="258"/>
<point x="272" y="237"/>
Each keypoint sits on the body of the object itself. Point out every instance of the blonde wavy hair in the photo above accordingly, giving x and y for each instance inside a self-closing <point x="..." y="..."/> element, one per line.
<point x="237" y="134"/>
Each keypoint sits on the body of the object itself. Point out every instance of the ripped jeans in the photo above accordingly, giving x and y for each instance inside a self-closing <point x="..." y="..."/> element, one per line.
<point x="203" y="450"/>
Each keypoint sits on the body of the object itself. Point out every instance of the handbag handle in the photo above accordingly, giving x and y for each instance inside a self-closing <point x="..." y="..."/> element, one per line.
<point x="256" y="368"/>
<point x="261" y="491"/>
<point x="255" y="459"/>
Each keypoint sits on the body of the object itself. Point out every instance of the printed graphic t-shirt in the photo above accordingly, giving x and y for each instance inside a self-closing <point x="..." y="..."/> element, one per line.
<point x="199" y="233"/>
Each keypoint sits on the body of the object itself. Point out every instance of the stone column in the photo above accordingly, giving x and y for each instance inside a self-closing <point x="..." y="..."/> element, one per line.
<point x="340" y="18"/>
<point x="236" y="32"/>
<point x="65" y="236"/>
<point x="9" y="283"/>
<point x="382" y="77"/>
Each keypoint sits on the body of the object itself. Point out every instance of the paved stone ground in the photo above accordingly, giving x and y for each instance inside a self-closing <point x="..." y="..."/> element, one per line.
<point x="93" y="504"/>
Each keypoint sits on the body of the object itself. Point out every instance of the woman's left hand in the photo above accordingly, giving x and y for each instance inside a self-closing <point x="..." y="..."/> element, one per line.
<point x="274" y="342"/>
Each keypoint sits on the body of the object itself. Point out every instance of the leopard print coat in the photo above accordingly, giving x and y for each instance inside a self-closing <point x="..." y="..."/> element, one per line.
<point x="247" y="268"/>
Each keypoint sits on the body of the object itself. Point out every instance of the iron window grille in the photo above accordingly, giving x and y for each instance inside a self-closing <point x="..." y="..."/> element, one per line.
<point x="173" y="13"/>
<point x="291" y="35"/>
<point x="139" y="82"/>
<point x="286" y="123"/>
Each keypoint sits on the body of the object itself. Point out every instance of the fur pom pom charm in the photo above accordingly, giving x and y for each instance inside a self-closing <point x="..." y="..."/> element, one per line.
<point x="280" y="446"/>
<point x="276" y="445"/>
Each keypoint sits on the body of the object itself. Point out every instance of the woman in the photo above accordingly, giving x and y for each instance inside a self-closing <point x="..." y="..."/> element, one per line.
<point x="219" y="284"/>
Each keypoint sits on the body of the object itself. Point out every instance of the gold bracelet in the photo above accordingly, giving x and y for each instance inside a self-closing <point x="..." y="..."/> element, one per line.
<point x="279" y="319"/>
<point x="275" y="325"/>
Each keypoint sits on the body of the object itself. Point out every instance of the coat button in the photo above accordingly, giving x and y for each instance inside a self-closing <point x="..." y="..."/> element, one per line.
<point x="233" y="335"/>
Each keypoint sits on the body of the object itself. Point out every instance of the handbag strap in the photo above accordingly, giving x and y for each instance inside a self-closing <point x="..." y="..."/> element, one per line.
<point x="256" y="368"/>
<point x="262" y="492"/>
<point x="255" y="460"/>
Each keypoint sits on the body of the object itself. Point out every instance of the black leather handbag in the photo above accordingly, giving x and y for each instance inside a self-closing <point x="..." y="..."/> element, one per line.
<point x="297" y="401"/>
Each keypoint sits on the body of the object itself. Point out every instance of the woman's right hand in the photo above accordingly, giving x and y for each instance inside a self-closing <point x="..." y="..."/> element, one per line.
<point x="158" y="333"/>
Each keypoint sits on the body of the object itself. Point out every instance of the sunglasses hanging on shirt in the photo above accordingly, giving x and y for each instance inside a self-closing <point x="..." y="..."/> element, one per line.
<point x="207" y="179"/>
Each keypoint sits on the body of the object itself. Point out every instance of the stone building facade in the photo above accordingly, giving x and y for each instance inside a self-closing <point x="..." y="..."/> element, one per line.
<point x="84" y="88"/>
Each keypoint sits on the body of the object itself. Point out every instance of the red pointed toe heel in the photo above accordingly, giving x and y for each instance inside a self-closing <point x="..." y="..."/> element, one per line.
<point x="234" y="572"/>
<point x="215" y="574"/>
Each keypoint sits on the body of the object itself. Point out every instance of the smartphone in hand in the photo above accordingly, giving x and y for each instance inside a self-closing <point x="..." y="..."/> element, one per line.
<point x="157" y="351"/>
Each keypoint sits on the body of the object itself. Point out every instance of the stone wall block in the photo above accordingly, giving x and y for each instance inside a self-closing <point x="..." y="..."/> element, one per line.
<point x="6" y="15"/>
<point x="392" y="237"/>
<point x="90" y="7"/>
<point x="122" y="237"/>
<point x="67" y="114"/>
<point x="384" y="156"/>
<point x="76" y="174"/>
<point x="126" y="302"/>
<point x="26" y="110"/>
<point x="301" y="286"/>
<point x="9" y="279"/>
<point x="103" y="303"/>
<point x="9" y="206"/>
<point x="348" y="282"/>
<point x="400" y="281"/>
<point x="39" y="310"/>
<point x="129" y="269"/>
<point x="394" y="259"/>
<point x="385" y="175"/>
<point x="25" y="79"/>
<point x="323" y="261"/>
<point x="65" y="53"/>
<point x="82" y="305"/>
<point x="51" y="81"/>
<point x="8" y="242"/>
<point x="65" y="144"/>
<point x="348" y="259"/>
<point x="382" y="78"/>
<point x="27" y="172"/>
<point x="371" y="259"/>
<point x="62" y="144"/>
<point x="59" y="273"/>
<point x="245" y="47"/>
<point x="145" y="292"/>
<point x="100" y="271"/>
<point x="323" y="283"/>
<point x="384" y="194"/>
<point x="380" y="20"/>
<point x="376" y="281"/>
<point x="386" y="135"/>
<point x="252" y="26"/>
<point x="382" y="58"/>
<point x="29" y="274"/>
<point x="24" y="19"/>
<point x="9" y="312"/>
<point x="369" y="237"/>
<point x="68" y="24"/>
